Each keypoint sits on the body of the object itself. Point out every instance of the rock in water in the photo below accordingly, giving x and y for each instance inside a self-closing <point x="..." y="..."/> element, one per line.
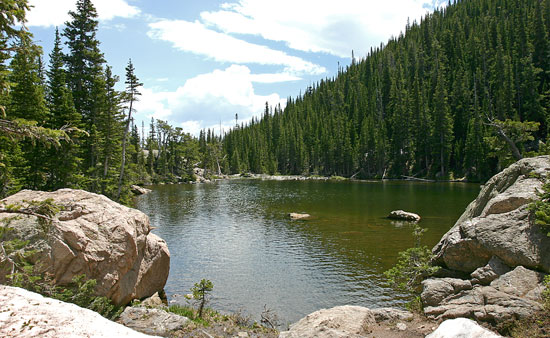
<point x="137" y="190"/>
<point x="404" y="216"/>
<point x="295" y="216"/>
<point x="461" y="328"/>
<point x="28" y="314"/>
<point x="497" y="223"/>
<point x="94" y="236"/>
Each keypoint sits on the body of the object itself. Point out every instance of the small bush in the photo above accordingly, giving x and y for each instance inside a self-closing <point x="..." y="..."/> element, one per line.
<point x="540" y="209"/>
<point x="413" y="266"/>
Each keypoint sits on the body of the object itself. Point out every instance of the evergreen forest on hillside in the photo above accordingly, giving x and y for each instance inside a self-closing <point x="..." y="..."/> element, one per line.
<point x="463" y="93"/>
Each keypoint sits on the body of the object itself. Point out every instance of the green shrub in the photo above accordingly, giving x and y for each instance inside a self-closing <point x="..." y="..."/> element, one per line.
<point x="412" y="267"/>
<point x="540" y="209"/>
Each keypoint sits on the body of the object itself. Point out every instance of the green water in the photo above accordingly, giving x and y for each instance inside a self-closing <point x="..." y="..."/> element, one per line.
<point x="237" y="234"/>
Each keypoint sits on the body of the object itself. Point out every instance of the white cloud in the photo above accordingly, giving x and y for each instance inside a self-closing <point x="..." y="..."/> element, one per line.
<point x="194" y="37"/>
<point x="208" y="99"/>
<point x="46" y="13"/>
<point x="320" y="25"/>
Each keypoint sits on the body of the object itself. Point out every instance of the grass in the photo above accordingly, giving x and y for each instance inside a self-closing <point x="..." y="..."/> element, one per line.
<point x="209" y="316"/>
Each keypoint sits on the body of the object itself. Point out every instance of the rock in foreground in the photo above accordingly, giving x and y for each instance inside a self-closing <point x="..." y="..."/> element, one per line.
<point x="461" y="328"/>
<point x="352" y="322"/>
<point x="497" y="243"/>
<point x="404" y="216"/>
<point x="497" y="223"/>
<point x="152" y="321"/>
<point x="511" y="296"/>
<point x="28" y="314"/>
<point x="94" y="236"/>
<point x="341" y="321"/>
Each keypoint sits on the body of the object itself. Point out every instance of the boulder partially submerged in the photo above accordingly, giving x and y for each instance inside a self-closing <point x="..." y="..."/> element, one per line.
<point x="94" y="236"/>
<point x="137" y="190"/>
<point x="28" y="314"/>
<point x="404" y="216"/>
<point x="297" y="216"/>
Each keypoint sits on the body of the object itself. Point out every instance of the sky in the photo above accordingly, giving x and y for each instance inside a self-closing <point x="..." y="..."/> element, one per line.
<point x="203" y="61"/>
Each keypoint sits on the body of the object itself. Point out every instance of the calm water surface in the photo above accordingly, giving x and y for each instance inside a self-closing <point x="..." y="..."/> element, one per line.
<point x="236" y="233"/>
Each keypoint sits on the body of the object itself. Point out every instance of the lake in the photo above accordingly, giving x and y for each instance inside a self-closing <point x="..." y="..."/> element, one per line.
<point x="237" y="234"/>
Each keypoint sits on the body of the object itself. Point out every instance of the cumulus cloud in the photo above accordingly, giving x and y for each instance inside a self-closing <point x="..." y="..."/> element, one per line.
<point x="194" y="37"/>
<point x="209" y="99"/>
<point x="46" y="13"/>
<point x="320" y="25"/>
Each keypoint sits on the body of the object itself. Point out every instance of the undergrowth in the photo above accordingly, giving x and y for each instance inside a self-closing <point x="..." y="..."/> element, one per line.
<point x="412" y="267"/>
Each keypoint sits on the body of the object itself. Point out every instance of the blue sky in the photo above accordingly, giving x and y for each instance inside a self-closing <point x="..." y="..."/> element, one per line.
<point x="203" y="61"/>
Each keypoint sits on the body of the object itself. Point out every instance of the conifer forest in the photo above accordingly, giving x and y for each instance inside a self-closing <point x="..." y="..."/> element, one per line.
<point x="461" y="94"/>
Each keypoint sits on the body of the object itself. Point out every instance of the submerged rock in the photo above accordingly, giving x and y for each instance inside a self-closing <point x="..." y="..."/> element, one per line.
<point x="404" y="216"/>
<point x="137" y="190"/>
<point x="296" y="216"/>
<point x="94" y="236"/>
<point x="28" y="314"/>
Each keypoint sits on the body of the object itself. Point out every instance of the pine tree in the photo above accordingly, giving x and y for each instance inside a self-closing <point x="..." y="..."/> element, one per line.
<point x="109" y="128"/>
<point x="86" y="77"/>
<point x="27" y="101"/>
<point x="131" y="95"/>
<point x="64" y="162"/>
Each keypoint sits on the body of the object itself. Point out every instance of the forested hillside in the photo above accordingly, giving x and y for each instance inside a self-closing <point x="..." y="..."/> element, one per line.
<point x="64" y="125"/>
<point x="462" y="93"/>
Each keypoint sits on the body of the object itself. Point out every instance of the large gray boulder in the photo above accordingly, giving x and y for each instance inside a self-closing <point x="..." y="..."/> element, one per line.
<point x="497" y="223"/>
<point x="27" y="314"/>
<point x="94" y="236"/>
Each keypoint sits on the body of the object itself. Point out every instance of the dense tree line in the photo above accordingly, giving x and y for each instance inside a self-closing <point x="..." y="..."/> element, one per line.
<point x="73" y="99"/>
<point x="451" y="96"/>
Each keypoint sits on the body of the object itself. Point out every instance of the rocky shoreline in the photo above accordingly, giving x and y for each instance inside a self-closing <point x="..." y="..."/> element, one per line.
<point x="493" y="261"/>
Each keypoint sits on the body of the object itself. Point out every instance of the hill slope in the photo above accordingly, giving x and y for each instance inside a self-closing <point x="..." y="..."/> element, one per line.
<point x="426" y="104"/>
